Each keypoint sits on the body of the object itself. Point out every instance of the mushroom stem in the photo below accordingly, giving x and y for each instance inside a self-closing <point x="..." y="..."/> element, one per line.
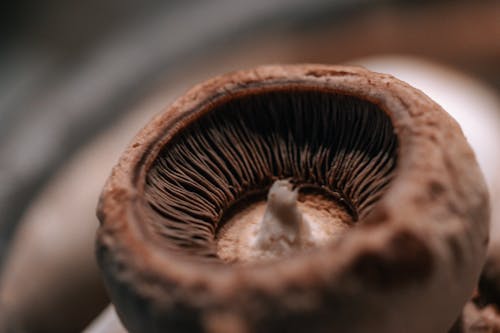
<point x="283" y="227"/>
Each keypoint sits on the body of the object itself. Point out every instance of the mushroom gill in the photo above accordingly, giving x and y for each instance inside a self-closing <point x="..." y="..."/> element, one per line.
<point x="336" y="145"/>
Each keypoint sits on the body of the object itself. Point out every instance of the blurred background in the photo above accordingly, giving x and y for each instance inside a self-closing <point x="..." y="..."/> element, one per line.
<point x="78" y="79"/>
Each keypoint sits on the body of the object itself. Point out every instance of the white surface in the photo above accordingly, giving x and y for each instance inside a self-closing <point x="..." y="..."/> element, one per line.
<point x="106" y="322"/>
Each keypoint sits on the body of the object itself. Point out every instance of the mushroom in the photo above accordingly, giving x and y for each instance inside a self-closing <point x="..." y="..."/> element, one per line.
<point x="387" y="209"/>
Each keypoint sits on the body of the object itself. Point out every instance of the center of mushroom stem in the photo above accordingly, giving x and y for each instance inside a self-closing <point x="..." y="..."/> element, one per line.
<point x="283" y="227"/>
<point x="290" y="220"/>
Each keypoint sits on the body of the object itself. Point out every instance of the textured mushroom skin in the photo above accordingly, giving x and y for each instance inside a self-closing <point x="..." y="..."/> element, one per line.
<point x="410" y="266"/>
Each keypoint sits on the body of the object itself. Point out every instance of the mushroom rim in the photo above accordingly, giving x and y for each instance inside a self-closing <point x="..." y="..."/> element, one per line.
<point x="120" y="223"/>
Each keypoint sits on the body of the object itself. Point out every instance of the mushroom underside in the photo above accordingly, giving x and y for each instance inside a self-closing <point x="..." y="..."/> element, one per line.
<point x="330" y="145"/>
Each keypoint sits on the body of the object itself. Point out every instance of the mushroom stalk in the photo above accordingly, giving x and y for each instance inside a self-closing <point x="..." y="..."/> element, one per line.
<point x="283" y="228"/>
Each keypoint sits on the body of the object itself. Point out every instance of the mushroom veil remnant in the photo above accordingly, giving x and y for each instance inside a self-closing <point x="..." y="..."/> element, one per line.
<point x="304" y="198"/>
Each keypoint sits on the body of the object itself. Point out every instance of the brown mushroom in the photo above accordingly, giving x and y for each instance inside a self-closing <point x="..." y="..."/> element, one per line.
<point x="387" y="166"/>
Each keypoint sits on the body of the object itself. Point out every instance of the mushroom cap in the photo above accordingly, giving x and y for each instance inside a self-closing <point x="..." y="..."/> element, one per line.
<point x="408" y="265"/>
